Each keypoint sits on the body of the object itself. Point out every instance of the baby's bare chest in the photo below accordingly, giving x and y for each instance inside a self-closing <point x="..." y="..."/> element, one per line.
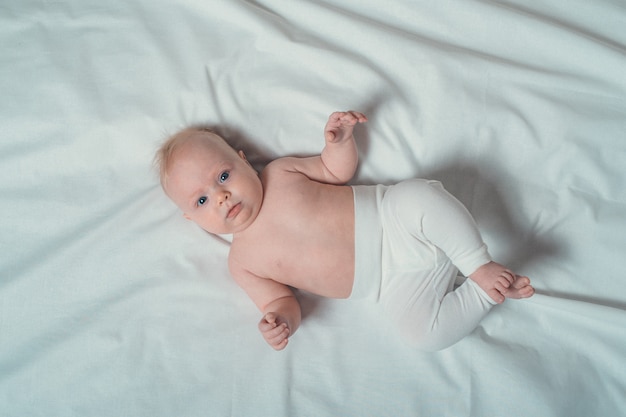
<point x="304" y="238"/>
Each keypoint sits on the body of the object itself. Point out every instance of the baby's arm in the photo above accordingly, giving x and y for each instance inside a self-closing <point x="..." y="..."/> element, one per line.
<point x="340" y="155"/>
<point x="281" y="319"/>
<point x="339" y="158"/>
<point x="280" y="308"/>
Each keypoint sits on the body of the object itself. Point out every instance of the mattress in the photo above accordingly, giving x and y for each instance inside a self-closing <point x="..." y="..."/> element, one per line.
<point x="113" y="304"/>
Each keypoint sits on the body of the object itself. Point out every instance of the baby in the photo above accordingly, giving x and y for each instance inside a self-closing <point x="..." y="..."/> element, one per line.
<point x="298" y="225"/>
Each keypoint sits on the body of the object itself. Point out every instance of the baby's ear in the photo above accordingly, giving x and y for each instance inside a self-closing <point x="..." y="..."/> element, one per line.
<point x="243" y="156"/>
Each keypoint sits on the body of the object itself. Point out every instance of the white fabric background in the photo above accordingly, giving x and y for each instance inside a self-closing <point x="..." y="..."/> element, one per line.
<point x="111" y="304"/>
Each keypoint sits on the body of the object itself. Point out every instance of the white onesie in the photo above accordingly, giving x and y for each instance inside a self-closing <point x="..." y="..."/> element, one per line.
<point x="410" y="238"/>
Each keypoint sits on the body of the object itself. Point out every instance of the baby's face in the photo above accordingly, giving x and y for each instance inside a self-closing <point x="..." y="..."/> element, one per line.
<point x="214" y="186"/>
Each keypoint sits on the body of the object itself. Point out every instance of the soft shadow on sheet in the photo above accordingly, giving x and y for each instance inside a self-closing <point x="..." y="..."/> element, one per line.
<point x="111" y="303"/>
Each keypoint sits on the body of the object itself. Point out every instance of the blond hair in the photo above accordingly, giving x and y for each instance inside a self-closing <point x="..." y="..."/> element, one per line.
<point x="164" y="155"/>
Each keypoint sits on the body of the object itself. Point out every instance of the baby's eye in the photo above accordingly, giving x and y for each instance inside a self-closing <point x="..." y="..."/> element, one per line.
<point x="202" y="200"/>
<point x="224" y="176"/>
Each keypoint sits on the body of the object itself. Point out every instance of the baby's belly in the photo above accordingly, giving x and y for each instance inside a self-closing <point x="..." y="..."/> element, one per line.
<point x="323" y="268"/>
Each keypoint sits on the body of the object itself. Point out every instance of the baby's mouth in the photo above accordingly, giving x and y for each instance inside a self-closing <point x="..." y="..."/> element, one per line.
<point x="234" y="211"/>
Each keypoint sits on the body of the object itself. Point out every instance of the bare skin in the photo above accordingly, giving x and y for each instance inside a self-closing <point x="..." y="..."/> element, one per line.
<point x="292" y="226"/>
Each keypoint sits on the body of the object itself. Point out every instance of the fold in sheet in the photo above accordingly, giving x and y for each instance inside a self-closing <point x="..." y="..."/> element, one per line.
<point x="111" y="303"/>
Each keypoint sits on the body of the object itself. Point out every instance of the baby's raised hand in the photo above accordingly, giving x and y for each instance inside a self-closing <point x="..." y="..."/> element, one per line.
<point x="340" y="125"/>
<point x="275" y="331"/>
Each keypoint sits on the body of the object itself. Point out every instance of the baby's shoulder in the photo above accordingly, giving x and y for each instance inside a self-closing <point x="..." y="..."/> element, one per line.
<point x="281" y="169"/>
<point x="280" y="164"/>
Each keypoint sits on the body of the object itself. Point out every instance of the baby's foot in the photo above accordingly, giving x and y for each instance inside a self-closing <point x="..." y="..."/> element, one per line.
<point x="494" y="279"/>
<point x="520" y="288"/>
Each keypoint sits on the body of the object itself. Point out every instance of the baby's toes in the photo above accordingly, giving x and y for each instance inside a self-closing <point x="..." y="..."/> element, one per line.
<point x="517" y="293"/>
<point x="521" y="282"/>
<point x="526" y="292"/>
<point x="508" y="275"/>
<point x="504" y="281"/>
<point x="501" y="287"/>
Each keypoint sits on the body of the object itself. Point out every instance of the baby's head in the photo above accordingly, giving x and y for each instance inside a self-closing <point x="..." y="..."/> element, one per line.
<point x="212" y="184"/>
<point x="166" y="153"/>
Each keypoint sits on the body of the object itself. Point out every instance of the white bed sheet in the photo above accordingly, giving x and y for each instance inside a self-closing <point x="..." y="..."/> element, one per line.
<point x="111" y="304"/>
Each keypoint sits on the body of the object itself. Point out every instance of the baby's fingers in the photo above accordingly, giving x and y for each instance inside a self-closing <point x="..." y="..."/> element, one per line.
<point x="281" y="345"/>
<point x="277" y="337"/>
<point x="356" y="116"/>
<point x="264" y="326"/>
<point x="272" y="329"/>
<point x="270" y="318"/>
<point x="277" y="333"/>
<point x="351" y="118"/>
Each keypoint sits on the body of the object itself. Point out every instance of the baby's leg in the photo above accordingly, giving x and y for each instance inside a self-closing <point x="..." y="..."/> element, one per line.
<point x="427" y="231"/>
<point x="428" y="317"/>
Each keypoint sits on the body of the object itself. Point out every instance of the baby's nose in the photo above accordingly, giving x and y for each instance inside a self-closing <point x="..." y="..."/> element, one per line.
<point x="223" y="197"/>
